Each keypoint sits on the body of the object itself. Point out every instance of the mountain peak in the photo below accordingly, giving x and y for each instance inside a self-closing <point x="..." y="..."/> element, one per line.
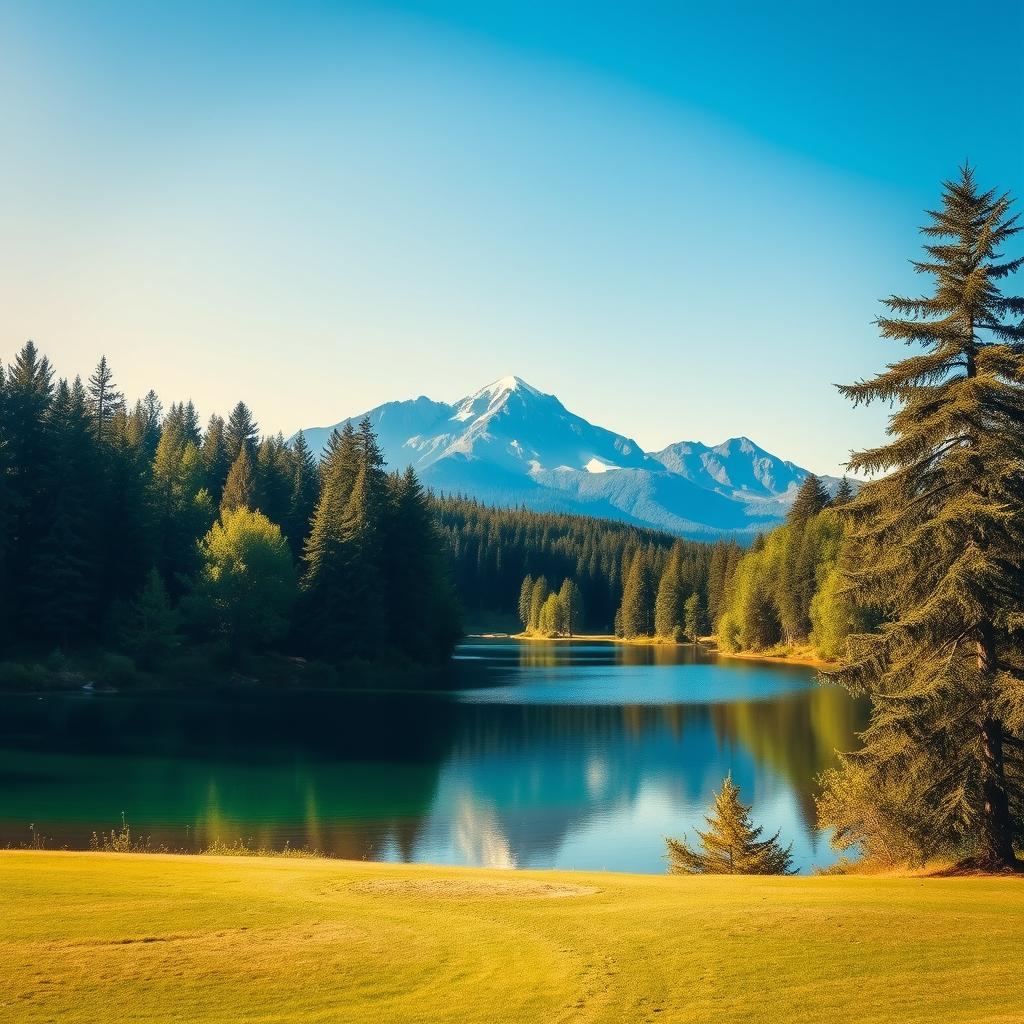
<point x="504" y="385"/>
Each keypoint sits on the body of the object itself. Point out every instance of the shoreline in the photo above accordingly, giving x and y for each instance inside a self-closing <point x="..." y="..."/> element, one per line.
<point x="706" y="644"/>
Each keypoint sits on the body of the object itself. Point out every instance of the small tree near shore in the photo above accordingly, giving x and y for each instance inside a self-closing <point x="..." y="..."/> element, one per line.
<point x="732" y="845"/>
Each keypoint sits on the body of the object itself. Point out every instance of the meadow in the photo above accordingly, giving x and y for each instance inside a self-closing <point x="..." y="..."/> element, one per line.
<point x="102" y="937"/>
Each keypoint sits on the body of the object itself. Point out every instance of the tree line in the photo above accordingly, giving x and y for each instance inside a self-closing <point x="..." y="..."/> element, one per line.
<point x="134" y="528"/>
<point x="496" y="549"/>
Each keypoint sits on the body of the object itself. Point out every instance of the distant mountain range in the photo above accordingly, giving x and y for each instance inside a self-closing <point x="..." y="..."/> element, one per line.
<point x="510" y="444"/>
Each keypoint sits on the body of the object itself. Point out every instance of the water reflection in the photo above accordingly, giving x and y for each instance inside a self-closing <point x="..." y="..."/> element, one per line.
<point x="574" y="755"/>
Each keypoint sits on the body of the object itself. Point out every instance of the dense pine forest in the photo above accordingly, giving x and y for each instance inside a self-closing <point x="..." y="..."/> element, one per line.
<point x="497" y="550"/>
<point x="132" y="531"/>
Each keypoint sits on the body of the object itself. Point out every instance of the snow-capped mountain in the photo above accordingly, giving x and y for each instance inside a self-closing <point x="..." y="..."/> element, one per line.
<point x="509" y="443"/>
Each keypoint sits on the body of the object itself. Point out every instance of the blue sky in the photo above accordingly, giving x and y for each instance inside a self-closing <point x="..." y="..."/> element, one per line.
<point x="677" y="217"/>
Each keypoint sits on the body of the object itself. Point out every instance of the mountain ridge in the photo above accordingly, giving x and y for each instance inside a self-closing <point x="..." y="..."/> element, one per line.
<point x="511" y="443"/>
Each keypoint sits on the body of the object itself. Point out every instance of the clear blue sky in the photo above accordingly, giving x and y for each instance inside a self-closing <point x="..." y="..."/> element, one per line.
<point x="677" y="217"/>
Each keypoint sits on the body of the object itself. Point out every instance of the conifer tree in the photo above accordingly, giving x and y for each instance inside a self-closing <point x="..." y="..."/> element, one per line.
<point x="809" y="501"/>
<point x="637" y="617"/>
<point x="525" y="600"/>
<point x="668" y="604"/>
<point x="732" y="845"/>
<point x="844" y="492"/>
<point x="61" y="596"/>
<point x="305" y="485"/>
<point x="214" y="456"/>
<point x="937" y="544"/>
<point x="693" y="623"/>
<point x="241" y="431"/>
<point x="571" y="607"/>
<point x="151" y="631"/>
<point x="537" y="599"/>
<point x="240" y="487"/>
<point x="105" y="401"/>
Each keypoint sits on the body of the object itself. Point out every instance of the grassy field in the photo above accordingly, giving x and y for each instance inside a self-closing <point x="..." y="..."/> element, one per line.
<point x="109" y="937"/>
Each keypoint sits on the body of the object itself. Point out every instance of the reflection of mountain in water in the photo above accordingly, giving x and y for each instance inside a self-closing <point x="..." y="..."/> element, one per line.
<point x="423" y="777"/>
<point x="541" y="773"/>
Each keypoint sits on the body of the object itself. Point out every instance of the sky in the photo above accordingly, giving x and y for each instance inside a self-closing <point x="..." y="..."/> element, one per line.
<point x="678" y="217"/>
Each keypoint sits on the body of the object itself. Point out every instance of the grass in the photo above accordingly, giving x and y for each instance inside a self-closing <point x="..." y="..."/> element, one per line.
<point x="119" y="937"/>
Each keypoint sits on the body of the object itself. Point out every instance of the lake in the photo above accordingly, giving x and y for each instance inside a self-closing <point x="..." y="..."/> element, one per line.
<point x="562" y="754"/>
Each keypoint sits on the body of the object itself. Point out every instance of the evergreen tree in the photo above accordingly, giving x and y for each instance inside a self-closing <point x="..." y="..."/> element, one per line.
<point x="844" y="492"/>
<point x="637" y="617"/>
<point x="571" y="607"/>
<point x="668" y="604"/>
<point x="525" y="600"/>
<point x="809" y="501"/>
<point x="273" y="480"/>
<point x="537" y="599"/>
<point x="305" y="487"/>
<point x="60" y="599"/>
<point x="240" y="487"/>
<point x="241" y="431"/>
<point x="694" y="625"/>
<point x="732" y="845"/>
<point x="214" y="457"/>
<point x="937" y="544"/>
<point x="151" y="631"/>
<point x="105" y="401"/>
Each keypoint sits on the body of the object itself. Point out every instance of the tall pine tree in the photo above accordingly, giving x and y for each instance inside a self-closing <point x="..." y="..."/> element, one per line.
<point x="937" y="544"/>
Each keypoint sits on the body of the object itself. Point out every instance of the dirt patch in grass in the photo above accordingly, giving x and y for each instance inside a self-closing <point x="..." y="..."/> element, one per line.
<point x="472" y="888"/>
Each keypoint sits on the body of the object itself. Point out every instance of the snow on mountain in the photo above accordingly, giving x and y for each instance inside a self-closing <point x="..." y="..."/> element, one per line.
<point x="509" y="443"/>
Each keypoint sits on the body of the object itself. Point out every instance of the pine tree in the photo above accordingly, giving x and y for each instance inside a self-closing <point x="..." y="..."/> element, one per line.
<point x="637" y="617"/>
<point x="272" y="479"/>
<point x="214" y="456"/>
<point x="668" y="604"/>
<point x="423" y="613"/>
<point x="525" y="600"/>
<point x="537" y="599"/>
<point x="844" y="492"/>
<point x="693" y="622"/>
<point x="571" y="607"/>
<point x="240" y="487"/>
<point x="305" y="486"/>
<point x="105" y="401"/>
<point x="809" y="501"/>
<point x="241" y="431"/>
<point x="937" y="543"/>
<point x="151" y="633"/>
<point x="732" y="845"/>
<point x="62" y="590"/>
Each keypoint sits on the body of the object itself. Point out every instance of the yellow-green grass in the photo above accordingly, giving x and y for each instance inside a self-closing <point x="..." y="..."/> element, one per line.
<point x="111" y="937"/>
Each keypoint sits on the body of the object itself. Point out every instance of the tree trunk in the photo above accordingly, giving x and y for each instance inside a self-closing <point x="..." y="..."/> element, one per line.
<point x="996" y="852"/>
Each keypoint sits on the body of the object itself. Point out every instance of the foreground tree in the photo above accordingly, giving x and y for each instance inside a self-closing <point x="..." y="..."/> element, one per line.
<point x="247" y="583"/>
<point x="937" y="545"/>
<point x="732" y="845"/>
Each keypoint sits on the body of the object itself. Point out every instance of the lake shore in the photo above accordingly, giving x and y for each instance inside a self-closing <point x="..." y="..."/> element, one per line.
<point x="799" y="657"/>
<point x="203" y="938"/>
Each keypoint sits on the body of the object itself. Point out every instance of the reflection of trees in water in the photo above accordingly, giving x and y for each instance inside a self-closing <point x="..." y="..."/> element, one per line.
<point x="548" y="769"/>
<point x="359" y="775"/>
<point x="344" y="773"/>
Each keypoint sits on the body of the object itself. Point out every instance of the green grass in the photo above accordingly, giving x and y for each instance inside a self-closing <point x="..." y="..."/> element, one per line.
<point x="110" y="937"/>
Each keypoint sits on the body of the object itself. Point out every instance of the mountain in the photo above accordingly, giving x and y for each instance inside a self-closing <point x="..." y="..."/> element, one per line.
<point x="510" y="444"/>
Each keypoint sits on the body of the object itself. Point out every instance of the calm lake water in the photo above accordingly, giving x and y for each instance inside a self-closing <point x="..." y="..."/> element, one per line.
<point x="571" y="755"/>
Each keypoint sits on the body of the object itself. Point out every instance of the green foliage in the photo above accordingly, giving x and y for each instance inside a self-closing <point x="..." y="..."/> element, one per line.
<point x="102" y="508"/>
<point x="151" y="631"/>
<point x="636" y="618"/>
<point x="936" y="549"/>
<point x="732" y="845"/>
<point x="246" y="586"/>
<point x="240" y="486"/>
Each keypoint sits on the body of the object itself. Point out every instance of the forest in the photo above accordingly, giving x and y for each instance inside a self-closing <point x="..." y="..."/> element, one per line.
<point x="133" y="534"/>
